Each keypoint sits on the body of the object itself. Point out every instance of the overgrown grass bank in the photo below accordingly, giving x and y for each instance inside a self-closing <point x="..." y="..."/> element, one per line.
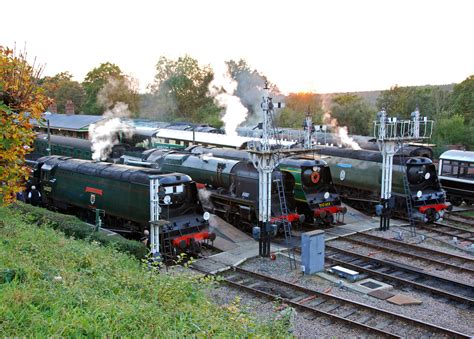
<point x="51" y="285"/>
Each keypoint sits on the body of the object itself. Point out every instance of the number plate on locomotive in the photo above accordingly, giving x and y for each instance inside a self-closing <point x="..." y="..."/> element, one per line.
<point x="325" y="204"/>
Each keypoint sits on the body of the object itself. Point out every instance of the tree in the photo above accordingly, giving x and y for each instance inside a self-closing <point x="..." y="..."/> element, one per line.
<point x="61" y="88"/>
<point x="20" y="101"/>
<point x="181" y="91"/>
<point x="452" y="130"/>
<point x="105" y="85"/>
<point x="401" y="101"/>
<point x="462" y="99"/>
<point x="296" y="106"/>
<point x="354" y="112"/>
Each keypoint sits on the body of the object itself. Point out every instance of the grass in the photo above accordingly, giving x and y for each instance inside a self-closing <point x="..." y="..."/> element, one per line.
<point x="52" y="285"/>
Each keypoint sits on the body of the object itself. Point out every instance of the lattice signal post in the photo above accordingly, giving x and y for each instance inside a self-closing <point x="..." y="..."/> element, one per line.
<point x="391" y="133"/>
<point x="265" y="160"/>
<point x="155" y="222"/>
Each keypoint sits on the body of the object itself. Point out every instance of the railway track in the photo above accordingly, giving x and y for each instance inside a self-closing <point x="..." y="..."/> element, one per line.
<point x="403" y="275"/>
<point x="457" y="218"/>
<point x="449" y="231"/>
<point x="445" y="260"/>
<point x="367" y="318"/>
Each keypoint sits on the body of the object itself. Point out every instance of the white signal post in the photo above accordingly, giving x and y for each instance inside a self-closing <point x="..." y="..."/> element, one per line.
<point x="308" y="131"/>
<point x="154" y="217"/>
<point x="264" y="160"/>
<point x="391" y="133"/>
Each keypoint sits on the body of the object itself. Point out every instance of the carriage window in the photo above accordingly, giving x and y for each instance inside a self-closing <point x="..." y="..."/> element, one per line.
<point x="466" y="170"/>
<point x="450" y="168"/>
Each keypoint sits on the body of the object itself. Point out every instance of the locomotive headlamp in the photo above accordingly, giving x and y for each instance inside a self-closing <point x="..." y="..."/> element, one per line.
<point x="316" y="168"/>
<point x="327" y="195"/>
<point x="419" y="194"/>
<point x="167" y="199"/>
<point x="206" y="216"/>
<point x="427" y="176"/>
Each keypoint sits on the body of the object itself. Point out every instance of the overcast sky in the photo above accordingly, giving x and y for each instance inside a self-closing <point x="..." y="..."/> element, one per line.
<point x="322" y="46"/>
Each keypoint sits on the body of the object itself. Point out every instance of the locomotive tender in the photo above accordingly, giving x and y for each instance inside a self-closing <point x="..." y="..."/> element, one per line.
<point x="357" y="175"/>
<point x="123" y="192"/>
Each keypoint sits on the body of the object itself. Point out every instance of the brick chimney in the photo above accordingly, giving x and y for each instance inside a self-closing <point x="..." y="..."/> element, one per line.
<point x="53" y="108"/>
<point x="69" y="107"/>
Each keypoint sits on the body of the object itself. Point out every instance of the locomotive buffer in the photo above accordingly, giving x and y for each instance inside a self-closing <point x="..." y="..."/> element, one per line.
<point x="391" y="133"/>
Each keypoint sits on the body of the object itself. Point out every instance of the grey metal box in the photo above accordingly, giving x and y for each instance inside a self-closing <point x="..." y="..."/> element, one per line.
<point x="312" y="251"/>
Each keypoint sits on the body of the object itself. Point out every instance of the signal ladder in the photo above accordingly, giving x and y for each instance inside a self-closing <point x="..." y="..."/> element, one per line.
<point x="286" y="224"/>
<point x="406" y="188"/>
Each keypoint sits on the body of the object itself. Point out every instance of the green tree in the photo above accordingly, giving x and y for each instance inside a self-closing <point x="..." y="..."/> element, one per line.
<point x="462" y="99"/>
<point x="401" y="101"/>
<point x="354" y="112"/>
<point x="181" y="91"/>
<point x="61" y="88"/>
<point x="296" y="106"/>
<point x="104" y="86"/>
<point x="451" y="130"/>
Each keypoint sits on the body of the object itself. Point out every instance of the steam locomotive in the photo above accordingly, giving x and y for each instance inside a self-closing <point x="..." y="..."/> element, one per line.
<point x="314" y="192"/>
<point x="357" y="175"/>
<point x="231" y="186"/>
<point x="123" y="192"/>
<point x="307" y="184"/>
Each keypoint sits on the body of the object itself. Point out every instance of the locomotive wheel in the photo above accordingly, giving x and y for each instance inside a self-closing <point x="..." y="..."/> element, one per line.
<point x="455" y="201"/>
<point x="469" y="202"/>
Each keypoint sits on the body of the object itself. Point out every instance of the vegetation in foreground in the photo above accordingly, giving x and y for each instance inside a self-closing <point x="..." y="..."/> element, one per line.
<point x="52" y="285"/>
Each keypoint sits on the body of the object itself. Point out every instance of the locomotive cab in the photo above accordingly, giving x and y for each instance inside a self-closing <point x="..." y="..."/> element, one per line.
<point x="317" y="199"/>
<point x="425" y="190"/>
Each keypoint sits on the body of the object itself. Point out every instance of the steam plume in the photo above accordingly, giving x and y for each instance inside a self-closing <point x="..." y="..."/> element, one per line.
<point x="103" y="134"/>
<point x="341" y="132"/>
<point x="222" y="88"/>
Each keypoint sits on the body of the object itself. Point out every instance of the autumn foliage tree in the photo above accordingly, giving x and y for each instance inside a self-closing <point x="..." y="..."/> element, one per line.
<point x="20" y="101"/>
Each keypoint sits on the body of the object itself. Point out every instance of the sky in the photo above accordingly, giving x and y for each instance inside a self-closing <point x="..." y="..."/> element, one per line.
<point x="320" y="46"/>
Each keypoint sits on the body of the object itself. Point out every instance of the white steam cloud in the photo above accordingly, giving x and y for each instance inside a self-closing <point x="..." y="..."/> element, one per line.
<point x="103" y="134"/>
<point x="222" y="88"/>
<point x="341" y="132"/>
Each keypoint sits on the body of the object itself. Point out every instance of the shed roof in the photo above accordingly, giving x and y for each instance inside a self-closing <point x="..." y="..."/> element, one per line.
<point x="74" y="122"/>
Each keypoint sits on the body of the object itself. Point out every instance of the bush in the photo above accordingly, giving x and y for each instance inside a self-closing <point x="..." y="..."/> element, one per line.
<point x="71" y="226"/>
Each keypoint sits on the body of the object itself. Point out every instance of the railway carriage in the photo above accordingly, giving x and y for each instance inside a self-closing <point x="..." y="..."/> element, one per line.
<point x="456" y="173"/>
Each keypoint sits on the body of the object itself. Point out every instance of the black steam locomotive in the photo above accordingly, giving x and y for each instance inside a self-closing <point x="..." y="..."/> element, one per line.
<point x="314" y="192"/>
<point x="123" y="192"/>
<point x="231" y="186"/>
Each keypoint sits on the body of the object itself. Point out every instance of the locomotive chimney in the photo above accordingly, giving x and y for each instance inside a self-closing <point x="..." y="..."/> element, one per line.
<point x="69" y="107"/>
<point x="53" y="108"/>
